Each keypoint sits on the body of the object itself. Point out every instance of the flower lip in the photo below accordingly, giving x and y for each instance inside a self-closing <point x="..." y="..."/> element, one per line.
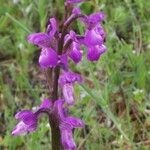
<point x="93" y="37"/>
<point x="95" y="52"/>
<point x="48" y="58"/>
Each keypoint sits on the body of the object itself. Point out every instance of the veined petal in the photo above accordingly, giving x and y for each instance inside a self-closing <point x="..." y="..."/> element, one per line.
<point x="68" y="93"/>
<point x="70" y="123"/>
<point x="48" y="58"/>
<point x="93" y="20"/>
<point x="40" y="39"/>
<point x="94" y="53"/>
<point x="22" y="128"/>
<point x="100" y="30"/>
<point x="67" y="140"/>
<point x="27" y="116"/>
<point x="75" y="53"/>
<point x="52" y="27"/>
<point x="69" y="77"/>
<point x="74" y="122"/>
<point x="93" y="37"/>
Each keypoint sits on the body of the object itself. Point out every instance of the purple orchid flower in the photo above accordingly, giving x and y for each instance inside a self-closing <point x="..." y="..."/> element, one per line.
<point x="66" y="80"/>
<point x="93" y="20"/>
<point x="66" y="125"/>
<point x="66" y="128"/>
<point x="48" y="58"/>
<point x="29" y="120"/>
<point x="74" y="51"/>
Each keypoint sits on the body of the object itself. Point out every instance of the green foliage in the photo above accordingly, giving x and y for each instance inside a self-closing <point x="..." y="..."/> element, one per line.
<point x="114" y="99"/>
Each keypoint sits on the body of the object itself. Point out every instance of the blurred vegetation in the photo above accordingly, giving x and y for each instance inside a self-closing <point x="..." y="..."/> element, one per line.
<point x="114" y="101"/>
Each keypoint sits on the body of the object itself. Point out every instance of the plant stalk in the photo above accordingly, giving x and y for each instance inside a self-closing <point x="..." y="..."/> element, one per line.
<point x="52" y="78"/>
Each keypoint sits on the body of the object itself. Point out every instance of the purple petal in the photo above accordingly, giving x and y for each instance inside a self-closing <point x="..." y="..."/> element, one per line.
<point x="69" y="77"/>
<point x="93" y="37"/>
<point x="76" y="54"/>
<point x="22" y="128"/>
<point x="94" y="19"/>
<point x="52" y="27"/>
<point x="70" y="123"/>
<point x="74" y="122"/>
<point x="68" y="93"/>
<point x="101" y="31"/>
<point x="28" y="117"/>
<point x="22" y="114"/>
<point x="67" y="140"/>
<point x="48" y="58"/>
<point x="40" y="39"/>
<point x="71" y="35"/>
<point x="94" y="53"/>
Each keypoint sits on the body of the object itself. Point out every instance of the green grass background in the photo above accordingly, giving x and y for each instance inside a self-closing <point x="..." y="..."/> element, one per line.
<point x="114" y="100"/>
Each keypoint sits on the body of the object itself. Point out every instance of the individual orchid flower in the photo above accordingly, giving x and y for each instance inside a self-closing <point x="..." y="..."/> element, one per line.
<point x="93" y="20"/>
<point x="74" y="51"/>
<point x="66" y="128"/>
<point x="28" y="120"/>
<point x="66" y="81"/>
<point x="66" y="125"/>
<point x="28" y="123"/>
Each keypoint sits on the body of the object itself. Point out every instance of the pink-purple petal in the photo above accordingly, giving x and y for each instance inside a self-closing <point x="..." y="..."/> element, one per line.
<point x="22" y="128"/>
<point x="28" y="117"/>
<point x="40" y="39"/>
<point x="93" y="37"/>
<point x="75" y="122"/>
<point x="52" y="27"/>
<point x="94" y="53"/>
<point x="68" y="93"/>
<point x="75" y="54"/>
<point x="67" y="140"/>
<point x="48" y="58"/>
<point x="69" y="77"/>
